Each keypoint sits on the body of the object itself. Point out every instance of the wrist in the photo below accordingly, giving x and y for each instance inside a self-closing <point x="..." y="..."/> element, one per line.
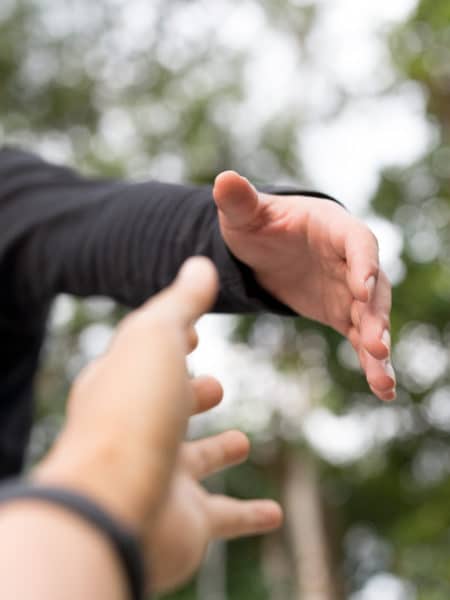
<point x="100" y="471"/>
<point x="67" y="506"/>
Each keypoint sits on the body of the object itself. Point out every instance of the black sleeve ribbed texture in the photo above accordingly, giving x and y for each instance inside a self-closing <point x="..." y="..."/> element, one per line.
<point x="124" y="240"/>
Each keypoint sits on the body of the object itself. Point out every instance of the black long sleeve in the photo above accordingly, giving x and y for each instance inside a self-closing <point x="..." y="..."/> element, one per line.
<point x="60" y="232"/>
<point x="123" y="240"/>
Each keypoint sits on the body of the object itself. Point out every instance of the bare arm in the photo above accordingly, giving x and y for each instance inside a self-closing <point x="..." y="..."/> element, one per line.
<point x="48" y="552"/>
<point x="127" y="415"/>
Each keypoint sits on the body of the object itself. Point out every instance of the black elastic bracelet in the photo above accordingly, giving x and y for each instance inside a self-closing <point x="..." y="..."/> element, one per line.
<point x="123" y="540"/>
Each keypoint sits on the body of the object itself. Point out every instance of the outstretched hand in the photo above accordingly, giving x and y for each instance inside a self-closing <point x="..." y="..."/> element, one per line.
<point x="319" y="260"/>
<point x="191" y="516"/>
<point x="128" y="410"/>
<point x="127" y="415"/>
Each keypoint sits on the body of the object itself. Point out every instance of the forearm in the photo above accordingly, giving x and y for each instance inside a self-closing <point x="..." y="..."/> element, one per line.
<point x="65" y="233"/>
<point x="69" y="234"/>
<point x="46" y="552"/>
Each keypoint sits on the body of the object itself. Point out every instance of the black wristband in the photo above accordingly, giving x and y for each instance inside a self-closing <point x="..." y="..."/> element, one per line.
<point x="124" y="541"/>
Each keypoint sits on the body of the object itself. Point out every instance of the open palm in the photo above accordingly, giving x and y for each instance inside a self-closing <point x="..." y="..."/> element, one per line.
<point x="319" y="260"/>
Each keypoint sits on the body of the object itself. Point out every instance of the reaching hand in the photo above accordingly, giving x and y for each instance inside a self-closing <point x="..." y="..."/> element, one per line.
<point x="319" y="260"/>
<point x="128" y="410"/>
<point x="126" y="417"/>
<point x="191" y="517"/>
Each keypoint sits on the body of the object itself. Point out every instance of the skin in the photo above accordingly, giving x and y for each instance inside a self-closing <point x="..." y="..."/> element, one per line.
<point x="175" y="544"/>
<point x="191" y="516"/>
<point x="50" y="553"/>
<point x="319" y="260"/>
<point x="122" y="447"/>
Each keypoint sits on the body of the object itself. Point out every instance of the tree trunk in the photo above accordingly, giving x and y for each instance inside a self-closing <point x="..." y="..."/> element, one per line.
<point x="277" y="566"/>
<point x="212" y="577"/>
<point x="305" y="526"/>
<point x="211" y="580"/>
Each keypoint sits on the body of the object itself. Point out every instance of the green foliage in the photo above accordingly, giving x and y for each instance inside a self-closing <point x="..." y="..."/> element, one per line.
<point x="245" y="577"/>
<point x="435" y="13"/>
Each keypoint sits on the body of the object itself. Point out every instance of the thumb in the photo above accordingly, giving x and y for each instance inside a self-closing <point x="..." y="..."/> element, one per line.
<point x="236" y="198"/>
<point x="145" y="365"/>
<point x="190" y="295"/>
<point x="174" y="310"/>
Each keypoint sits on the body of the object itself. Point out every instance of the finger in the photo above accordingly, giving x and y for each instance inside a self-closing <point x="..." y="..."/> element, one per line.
<point x="207" y="393"/>
<point x="385" y="395"/>
<point x="195" y="288"/>
<point x="354" y="339"/>
<point x="190" y="295"/>
<point x="380" y="373"/>
<point x="192" y="341"/>
<point x="236" y="198"/>
<point x="231" y="518"/>
<point x="148" y="352"/>
<point x="355" y="313"/>
<point x="380" y="376"/>
<point x="171" y="313"/>
<point x="209" y="455"/>
<point x="361" y="254"/>
<point x="374" y="320"/>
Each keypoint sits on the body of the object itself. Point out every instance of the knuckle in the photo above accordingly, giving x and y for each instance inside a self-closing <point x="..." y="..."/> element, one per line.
<point x="373" y="266"/>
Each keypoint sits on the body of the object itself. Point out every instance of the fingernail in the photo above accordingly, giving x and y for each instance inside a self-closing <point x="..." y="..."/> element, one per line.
<point x="386" y="339"/>
<point x="370" y="286"/>
<point x="389" y="369"/>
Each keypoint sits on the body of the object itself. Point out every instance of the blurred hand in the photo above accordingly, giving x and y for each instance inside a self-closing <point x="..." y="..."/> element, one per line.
<point x="127" y="414"/>
<point x="191" y="517"/>
<point x="315" y="257"/>
<point x="128" y="410"/>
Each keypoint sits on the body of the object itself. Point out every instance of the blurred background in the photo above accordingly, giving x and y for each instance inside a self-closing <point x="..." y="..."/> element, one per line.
<point x="348" y="97"/>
